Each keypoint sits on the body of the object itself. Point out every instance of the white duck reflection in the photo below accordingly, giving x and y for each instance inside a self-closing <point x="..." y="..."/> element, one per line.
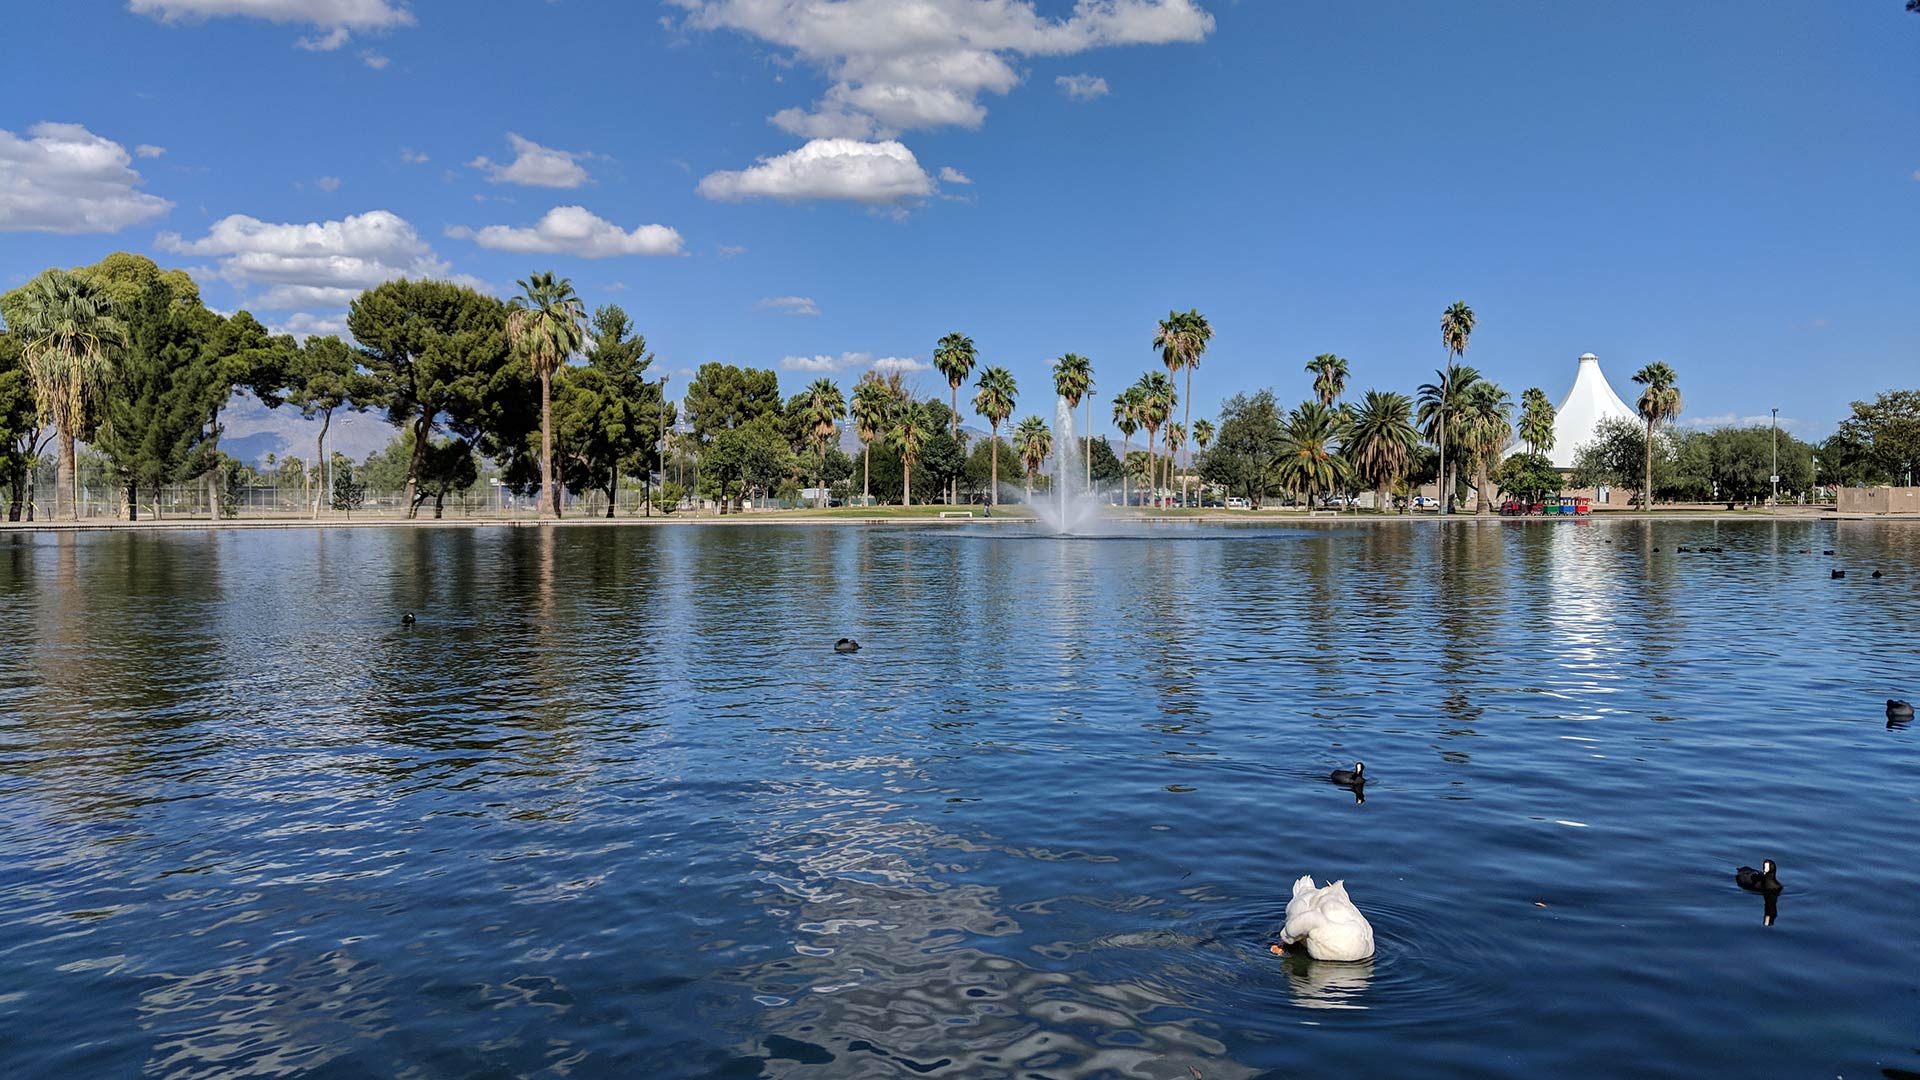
<point x="1328" y="984"/>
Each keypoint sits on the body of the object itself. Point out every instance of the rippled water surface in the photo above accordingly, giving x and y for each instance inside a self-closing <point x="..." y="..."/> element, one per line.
<point x="615" y="808"/>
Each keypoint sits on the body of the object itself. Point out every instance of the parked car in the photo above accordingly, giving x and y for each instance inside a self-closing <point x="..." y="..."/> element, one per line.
<point x="1237" y="503"/>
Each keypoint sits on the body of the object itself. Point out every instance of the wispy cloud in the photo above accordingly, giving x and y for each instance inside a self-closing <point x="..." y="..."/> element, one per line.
<point x="1735" y="420"/>
<point x="951" y="175"/>
<point x="1082" y="87"/>
<point x="790" y="305"/>
<point x="852" y="361"/>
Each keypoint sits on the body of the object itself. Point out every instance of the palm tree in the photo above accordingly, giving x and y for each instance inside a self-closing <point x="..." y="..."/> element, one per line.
<point x="1440" y="405"/>
<point x="1309" y="462"/>
<point x="1380" y="441"/>
<point x="1176" y="439"/>
<point x="1181" y="338"/>
<point x="1536" y="421"/>
<point x="995" y="400"/>
<point x="1033" y="440"/>
<point x="1659" y="403"/>
<point x="1155" y="407"/>
<point x="1126" y="417"/>
<point x="911" y="426"/>
<point x="1487" y="430"/>
<point x="1073" y="380"/>
<point x="546" y="324"/>
<point x="1329" y="377"/>
<point x="872" y="402"/>
<point x="1456" y="327"/>
<point x="824" y="404"/>
<point x="1203" y="438"/>
<point x="70" y="335"/>
<point x="954" y="357"/>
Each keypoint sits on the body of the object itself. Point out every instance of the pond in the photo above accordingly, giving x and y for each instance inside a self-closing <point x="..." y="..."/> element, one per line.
<point x="614" y="807"/>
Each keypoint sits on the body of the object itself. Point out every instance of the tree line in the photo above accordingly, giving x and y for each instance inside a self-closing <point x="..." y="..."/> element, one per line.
<point x="124" y="356"/>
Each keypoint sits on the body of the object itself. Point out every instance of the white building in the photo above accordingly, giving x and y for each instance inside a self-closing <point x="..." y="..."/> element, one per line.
<point x="1590" y="401"/>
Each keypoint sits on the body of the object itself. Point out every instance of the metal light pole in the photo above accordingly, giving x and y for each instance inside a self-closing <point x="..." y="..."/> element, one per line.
<point x="1776" y="459"/>
<point x="661" y="445"/>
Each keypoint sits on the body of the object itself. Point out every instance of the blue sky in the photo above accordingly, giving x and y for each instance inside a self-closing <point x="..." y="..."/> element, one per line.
<point x="1735" y="190"/>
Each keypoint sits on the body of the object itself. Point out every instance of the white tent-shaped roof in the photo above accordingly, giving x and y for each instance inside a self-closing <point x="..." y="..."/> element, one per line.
<point x="1590" y="401"/>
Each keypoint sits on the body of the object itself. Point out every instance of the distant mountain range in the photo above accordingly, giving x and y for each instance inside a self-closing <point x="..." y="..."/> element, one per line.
<point x="252" y="431"/>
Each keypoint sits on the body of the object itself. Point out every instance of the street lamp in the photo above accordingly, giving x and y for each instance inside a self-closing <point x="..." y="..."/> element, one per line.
<point x="1776" y="459"/>
<point x="661" y="446"/>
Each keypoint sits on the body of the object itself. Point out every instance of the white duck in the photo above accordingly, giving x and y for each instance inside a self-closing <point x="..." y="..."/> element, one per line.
<point x="1326" y="920"/>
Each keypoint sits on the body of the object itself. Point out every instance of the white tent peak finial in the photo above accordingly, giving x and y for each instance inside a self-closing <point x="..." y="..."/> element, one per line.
<point x="1589" y="358"/>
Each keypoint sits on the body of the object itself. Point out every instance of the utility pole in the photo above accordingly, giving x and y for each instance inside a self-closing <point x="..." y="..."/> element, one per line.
<point x="1776" y="460"/>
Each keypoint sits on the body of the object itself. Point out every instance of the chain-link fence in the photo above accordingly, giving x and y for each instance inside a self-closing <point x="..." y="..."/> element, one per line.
<point x="100" y="497"/>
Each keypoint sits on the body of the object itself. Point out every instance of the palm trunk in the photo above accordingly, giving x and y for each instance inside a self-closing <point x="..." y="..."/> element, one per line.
<point x="613" y="490"/>
<point x="1186" y="424"/>
<point x="820" y="480"/>
<point x="866" y="477"/>
<point x="953" y="485"/>
<point x="1153" y="463"/>
<point x="906" y="484"/>
<point x="1446" y="382"/>
<point x="1483" y="505"/>
<point x="549" y="489"/>
<point x="133" y="501"/>
<point x="66" y="493"/>
<point x="1646" y="478"/>
<point x="1124" y="485"/>
<point x="993" y="492"/>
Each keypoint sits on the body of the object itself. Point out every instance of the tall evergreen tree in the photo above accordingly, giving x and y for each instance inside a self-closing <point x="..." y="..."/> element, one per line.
<point x="154" y="428"/>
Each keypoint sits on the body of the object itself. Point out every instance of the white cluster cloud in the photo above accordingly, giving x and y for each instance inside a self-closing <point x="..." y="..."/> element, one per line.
<point x="850" y="361"/>
<point x="534" y="166"/>
<point x="315" y="264"/>
<point x="338" y="18"/>
<point x="374" y="60"/>
<point x="789" y="305"/>
<point x="900" y="65"/>
<point x="951" y="175"/>
<point x="575" y="230"/>
<point x="62" y="178"/>
<point x="303" y="325"/>
<point x="148" y="150"/>
<point x="1082" y="87"/>
<point x="847" y="169"/>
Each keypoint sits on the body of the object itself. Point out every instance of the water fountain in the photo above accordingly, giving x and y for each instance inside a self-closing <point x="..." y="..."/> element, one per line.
<point x="1072" y="509"/>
